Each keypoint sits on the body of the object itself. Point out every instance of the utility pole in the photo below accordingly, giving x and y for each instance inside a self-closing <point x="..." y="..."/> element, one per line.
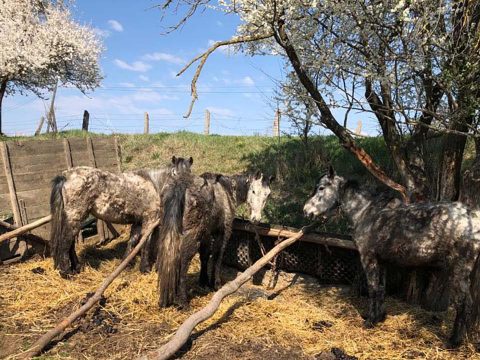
<point x="206" y="128"/>
<point x="51" y="113"/>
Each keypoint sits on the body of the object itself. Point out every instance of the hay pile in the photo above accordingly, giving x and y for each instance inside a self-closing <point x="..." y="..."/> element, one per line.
<point x="298" y="320"/>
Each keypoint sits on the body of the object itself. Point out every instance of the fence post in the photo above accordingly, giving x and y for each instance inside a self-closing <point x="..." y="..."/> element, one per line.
<point x="276" y="124"/>
<point x="86" y="120"/>
<point x="206" y="127"/>
<point x="146" y="124"/>
<point x="17" y="217"/>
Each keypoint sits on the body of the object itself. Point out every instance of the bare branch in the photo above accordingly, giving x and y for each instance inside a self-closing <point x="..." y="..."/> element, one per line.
<point x="203" y="58"/>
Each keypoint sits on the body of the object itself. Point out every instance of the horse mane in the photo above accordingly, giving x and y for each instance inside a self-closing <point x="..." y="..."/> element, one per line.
<point x="155" y="176"/>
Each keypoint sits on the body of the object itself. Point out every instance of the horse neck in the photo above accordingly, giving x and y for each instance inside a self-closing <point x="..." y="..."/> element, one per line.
<point x="159" y="176"/>
<point x="354" y="202"/>
<point x="240" y="188"/>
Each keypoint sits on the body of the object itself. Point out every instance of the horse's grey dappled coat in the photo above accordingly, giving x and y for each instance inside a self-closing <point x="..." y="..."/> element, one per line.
<point x="445" y="236"/>
<point x="230" y="193"/>
<point x="195" y="209"/>
<point x="127" y="198"/>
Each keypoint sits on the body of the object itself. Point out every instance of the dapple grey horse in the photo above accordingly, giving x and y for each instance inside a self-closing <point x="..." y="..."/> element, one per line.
<point x="126" y="198"/>
<point x="442" y="235"/>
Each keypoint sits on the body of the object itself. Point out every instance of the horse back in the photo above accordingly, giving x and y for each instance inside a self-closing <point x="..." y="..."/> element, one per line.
<point x="420" y="234"/>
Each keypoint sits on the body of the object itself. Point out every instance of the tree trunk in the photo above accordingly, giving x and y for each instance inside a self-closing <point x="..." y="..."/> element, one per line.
<point x="449" y="174"/>
<point x="3" y="88"/>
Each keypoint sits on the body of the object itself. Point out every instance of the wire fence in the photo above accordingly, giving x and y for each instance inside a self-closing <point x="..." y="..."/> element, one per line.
<point x="133" y="123"/>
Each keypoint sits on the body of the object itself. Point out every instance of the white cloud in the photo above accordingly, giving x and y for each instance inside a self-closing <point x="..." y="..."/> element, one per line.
<point x="138" y="66"/>
<point x="115" y="25"/>
<point x="102" y="33"/>
<point x="247" y="80"/>
<point x="144" y="78"/>
<point x="160" y="56"/>
<point x="220" y="111"/>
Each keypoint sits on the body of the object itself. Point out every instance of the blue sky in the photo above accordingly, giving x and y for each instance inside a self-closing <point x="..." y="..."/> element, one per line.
<point x="139" y="66"/>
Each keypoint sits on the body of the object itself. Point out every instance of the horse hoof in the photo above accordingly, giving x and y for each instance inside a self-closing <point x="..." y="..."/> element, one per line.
<point x="145" y="269"/>
<point x="454" y="343"/>
<point x="68" y="275"/>
<point x="368" y="324"/>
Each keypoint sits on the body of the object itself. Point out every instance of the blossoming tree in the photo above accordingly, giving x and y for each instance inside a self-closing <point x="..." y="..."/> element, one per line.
<point x="414" y="65"/>
<point x="41" y="44"/>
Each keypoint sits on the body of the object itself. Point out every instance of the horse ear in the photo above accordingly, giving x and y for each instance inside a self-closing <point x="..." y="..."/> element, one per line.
<point x="190" y="160"/>
<point x="271" y="179"/>
<point x="331" y="172"/>
<point x="174" y="160"/>
<point x="258" y="175"/>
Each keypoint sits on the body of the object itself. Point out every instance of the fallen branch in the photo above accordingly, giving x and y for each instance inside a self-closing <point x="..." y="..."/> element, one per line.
<point x="61" y="326"/>
<point x="183" y="333"/>
<point x="25" y="228"/>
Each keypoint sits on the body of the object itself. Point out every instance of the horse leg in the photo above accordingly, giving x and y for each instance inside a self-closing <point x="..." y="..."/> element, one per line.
<point x="135" y="231"/>
<point x="189" y="249"/>
<point x="145" y="263"/>
<point x="375" y="294"/>
<point x="464" y="303"/>
<point x="205" y="246"/>
<point x="67" y="260"/>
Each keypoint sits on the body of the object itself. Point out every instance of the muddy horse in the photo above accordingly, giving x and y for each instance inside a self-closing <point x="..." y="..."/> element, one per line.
<point x="126" y="198"/>
<point x="444" y="236"/>
<point x="195" y="209"/>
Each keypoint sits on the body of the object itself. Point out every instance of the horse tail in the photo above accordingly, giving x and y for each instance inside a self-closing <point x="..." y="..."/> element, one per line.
<point x="170" y="243"/>
<point x="59" y="224"/>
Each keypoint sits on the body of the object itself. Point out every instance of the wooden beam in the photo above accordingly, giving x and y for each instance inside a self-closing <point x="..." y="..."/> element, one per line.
<point x="11" y="185"/>
<point x="277" y="231"/>
<point x="23" y="229"/>
<point x="91" y="153"/>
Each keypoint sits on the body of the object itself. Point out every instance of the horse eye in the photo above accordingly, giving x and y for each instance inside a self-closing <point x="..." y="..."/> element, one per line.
<point x="321" y="187"/>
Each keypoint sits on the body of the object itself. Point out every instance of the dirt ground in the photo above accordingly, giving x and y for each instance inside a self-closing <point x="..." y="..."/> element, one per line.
<point x="299" y="319"/>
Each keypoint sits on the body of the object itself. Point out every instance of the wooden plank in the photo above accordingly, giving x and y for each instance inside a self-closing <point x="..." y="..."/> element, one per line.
<point x="11" y="185"/>
<point x="103" y="144"/>
<point x="103" y="163"/>
<point x="278" y="231"/>
<point x="91" y="152"/>
<point x="80" y="158"/>
<point x="3" y="184"/>
<point x="68" y="153"/>
<point x="78" y="145"/>
<point x="32" y="181"/>
<point x="5" y="207"/>
<point x="33" y="147"/>
<point x="57" y="166"/>
<point x="35" y="197"/>
<point x="47" y="159"/>
<point x="38" y="211"/>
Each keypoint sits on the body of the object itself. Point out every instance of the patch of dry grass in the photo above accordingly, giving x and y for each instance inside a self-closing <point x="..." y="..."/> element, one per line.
<point x="299" y="319"/>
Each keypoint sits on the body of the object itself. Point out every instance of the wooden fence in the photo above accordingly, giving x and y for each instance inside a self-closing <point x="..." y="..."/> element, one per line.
<point x="28" y="167"/>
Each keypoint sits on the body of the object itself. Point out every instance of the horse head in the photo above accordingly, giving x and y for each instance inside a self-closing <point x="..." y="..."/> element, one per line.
<point x="180" y="165"/>
<point x="325" y="199"/>
<point x="258" y="192"/>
